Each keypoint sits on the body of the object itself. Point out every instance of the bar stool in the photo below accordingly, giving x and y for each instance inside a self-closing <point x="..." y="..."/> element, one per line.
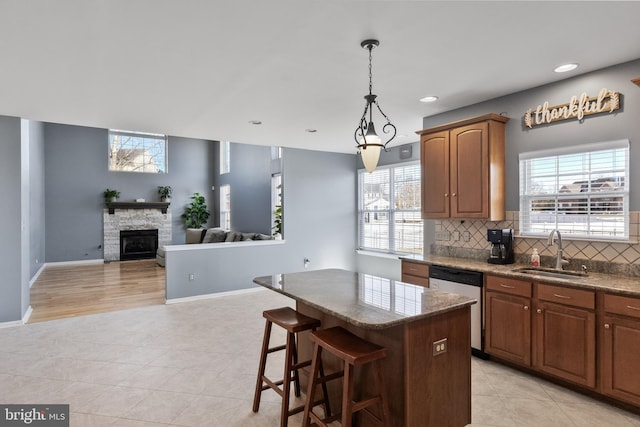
<point x="352" y="351"/>
<point x="293" y="322"/>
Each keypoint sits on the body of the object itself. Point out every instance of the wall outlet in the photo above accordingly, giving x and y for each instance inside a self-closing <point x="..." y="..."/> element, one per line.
<point x="440" y="347"/>
<point x="456" y="236"/>
<point x="443" y="235"/>
<point x="466" y="236"/>
<point x="192" y="277"/>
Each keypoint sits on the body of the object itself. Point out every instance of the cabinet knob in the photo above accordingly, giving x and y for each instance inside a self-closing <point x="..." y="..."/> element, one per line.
<point x="539" y="311"/>
<point x="446" y="194"/>
<point x="606" y="326"/>
<point x="453" y="194"/>
<point x="526" y="307"/>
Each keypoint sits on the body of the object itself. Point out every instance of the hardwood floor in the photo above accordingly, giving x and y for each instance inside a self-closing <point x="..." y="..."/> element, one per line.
<point x="76" y="290"/>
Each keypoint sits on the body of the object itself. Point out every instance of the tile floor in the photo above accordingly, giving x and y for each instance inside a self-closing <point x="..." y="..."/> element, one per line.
<point x="186" y="365"/>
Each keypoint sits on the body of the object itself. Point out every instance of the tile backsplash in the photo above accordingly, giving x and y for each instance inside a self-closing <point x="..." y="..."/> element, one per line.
<point x="468" y="239"/>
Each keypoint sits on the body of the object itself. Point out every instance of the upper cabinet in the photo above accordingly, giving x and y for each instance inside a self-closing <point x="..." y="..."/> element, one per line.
<point x="463" y="169"/>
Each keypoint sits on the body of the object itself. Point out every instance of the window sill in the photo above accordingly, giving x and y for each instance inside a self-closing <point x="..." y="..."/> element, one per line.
<point x="378" y="254"/>
<point x="580" y="239"/>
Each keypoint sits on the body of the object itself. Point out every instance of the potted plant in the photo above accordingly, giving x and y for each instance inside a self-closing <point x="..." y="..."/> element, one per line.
<point x="196" y="215"/>
<point x="165" y="192"/>
<point x="110" y="195"/>
<point x="277" y="217"/>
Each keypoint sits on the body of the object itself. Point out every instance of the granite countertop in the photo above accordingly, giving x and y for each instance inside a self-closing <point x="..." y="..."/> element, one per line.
<point x="363" y="300"/>
<point x="595" y="281"/>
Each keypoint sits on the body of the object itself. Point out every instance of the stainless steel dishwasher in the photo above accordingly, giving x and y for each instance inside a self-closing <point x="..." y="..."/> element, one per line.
<point x="469" y="284"/>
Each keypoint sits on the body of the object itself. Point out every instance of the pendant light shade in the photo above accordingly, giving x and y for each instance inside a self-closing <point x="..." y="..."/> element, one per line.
<point x="369" y="143"/>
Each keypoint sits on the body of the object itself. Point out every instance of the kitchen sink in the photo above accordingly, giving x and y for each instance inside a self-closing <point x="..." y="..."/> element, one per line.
<point x="550" y="272"/>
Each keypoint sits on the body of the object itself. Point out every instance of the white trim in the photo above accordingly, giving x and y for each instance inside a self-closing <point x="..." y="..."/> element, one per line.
<point x="380" y="254"/>
<point x="575" y="149"/>
<point x="213" y="295"/>
<point x="11" y="324"/>
<point x="35" y="276"/>
<point x="82" y="261"/>
<point x="222" y="245"/>
<point x="27" y="315"/>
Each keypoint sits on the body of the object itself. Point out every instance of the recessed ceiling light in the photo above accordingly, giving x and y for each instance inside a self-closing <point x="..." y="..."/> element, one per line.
<point x="255" y="122"/>
<point x="565" y="67"/>
<point x="430" y="98"/>
<point x="311" y="130"/>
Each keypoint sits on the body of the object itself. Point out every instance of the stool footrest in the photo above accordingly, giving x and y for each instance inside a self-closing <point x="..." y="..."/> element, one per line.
<point x="360" y="405"/>
<point x="278" y="348"/>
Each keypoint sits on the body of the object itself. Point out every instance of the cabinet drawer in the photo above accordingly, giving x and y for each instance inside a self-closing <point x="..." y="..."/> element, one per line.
<point x="627" y="306"/>
<point x="415" y="269"/>
<point x="415" y="280"/>
<point x="567" y="296"/>
<point x="508" y="285"/>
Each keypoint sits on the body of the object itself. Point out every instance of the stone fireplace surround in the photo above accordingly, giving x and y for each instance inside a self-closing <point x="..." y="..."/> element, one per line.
<point x="133" y="218"/>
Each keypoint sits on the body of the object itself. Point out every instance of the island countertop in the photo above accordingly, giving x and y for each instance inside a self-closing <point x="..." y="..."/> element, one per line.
<point x="363" y="300"/>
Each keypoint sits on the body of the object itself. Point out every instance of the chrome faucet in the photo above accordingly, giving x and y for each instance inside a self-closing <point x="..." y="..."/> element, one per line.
<point x="559" y="261"/>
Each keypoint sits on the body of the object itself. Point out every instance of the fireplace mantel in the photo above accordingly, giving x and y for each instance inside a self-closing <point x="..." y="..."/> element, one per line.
<point x="137" y="205"/>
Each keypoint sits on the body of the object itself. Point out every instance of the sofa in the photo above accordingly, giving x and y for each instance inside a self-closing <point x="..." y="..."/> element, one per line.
<point x="212" y="235"/>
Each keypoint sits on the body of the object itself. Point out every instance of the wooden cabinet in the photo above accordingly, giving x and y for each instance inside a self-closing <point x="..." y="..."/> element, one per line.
<point x="620" y="367"/>
<point x="558" y="338"/>
<point x="463" y="167"/>
<point x="416" y="273"/>
<point x="565" y="333"/>
<point x="508" y="319"/>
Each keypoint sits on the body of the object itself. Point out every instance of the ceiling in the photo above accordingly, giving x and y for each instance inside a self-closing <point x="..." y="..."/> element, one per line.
<point x="206" y="68"/>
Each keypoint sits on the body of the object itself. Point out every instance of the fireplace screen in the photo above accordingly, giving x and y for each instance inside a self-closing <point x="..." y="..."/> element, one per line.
<point x="138" y="244"/>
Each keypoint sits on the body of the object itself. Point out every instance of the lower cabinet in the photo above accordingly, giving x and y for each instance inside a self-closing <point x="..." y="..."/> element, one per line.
<point x="565" y="343"/>
<point x="557" y="337"/>
<point x="621" y="348"/>
<point x="508" y="319"/>
<point x="415" y="273"/>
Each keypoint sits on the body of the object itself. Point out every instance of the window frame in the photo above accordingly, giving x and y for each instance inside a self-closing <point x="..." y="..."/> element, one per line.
<point x="563" y="200"/>
<point x="391" y="212"/>
<point x="136" y="134"/>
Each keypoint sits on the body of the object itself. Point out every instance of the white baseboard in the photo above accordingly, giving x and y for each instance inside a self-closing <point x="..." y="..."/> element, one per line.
<point x="210" y="296"/>
<point x="27" y="315"/>
<point x="82" y="261"/>
<point x="35" y="276"/>
<point x="11" y="324"/>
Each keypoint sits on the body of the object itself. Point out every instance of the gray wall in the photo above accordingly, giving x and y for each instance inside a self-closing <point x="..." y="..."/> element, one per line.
<point x="250" y="183"/>
<point x="604" y="127"/>
<point x="319" y="224"/>
<point x="76" y="174"/>
<point x="36" y="197"/>
<point x="10" y="215"/>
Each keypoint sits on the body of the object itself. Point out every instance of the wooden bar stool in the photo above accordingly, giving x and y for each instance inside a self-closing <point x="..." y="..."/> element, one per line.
<point x="293" y="322"/>
<point x="352" y="351"/>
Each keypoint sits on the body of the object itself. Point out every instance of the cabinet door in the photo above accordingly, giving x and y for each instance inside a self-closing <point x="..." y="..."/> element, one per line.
<point x="508" y="327"/>
<point x="565" y="343"/>
<point x="621" y="364"/>
<point x="469" y="151"/>
<point x="434" y="153"/>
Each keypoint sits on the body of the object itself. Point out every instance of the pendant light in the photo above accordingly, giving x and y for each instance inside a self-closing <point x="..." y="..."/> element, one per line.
<point x="368" y="142"/>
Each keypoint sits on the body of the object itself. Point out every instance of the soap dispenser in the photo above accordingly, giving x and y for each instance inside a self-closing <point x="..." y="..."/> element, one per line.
<point x="535" y="258"/>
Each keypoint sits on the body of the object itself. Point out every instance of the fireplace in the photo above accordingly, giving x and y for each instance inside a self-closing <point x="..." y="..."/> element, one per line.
<point x="138" y="244"/>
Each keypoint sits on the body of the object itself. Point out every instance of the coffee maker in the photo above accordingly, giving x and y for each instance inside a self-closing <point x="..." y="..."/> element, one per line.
<point x="501" y="245"/>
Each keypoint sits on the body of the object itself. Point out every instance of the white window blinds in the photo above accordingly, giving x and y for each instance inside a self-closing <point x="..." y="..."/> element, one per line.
<point x="389" y="209"/>
<point x="583" y="191"/>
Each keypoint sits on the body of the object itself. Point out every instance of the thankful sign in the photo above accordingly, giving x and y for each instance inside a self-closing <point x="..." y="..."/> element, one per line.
<point x="576" y="108"/>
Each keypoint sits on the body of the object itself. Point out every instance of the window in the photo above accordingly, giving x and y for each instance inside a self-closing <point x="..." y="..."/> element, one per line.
<point x="583" y="191"/>
<point x="137" y="151"/>
<point x="225" y="157"/>
<point x="276" y="204"/>
<point x="389" y="209"/>
<point x="225" y="207"/>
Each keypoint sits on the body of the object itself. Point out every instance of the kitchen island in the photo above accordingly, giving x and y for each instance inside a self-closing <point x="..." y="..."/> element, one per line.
<point x="426" y="332"/>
